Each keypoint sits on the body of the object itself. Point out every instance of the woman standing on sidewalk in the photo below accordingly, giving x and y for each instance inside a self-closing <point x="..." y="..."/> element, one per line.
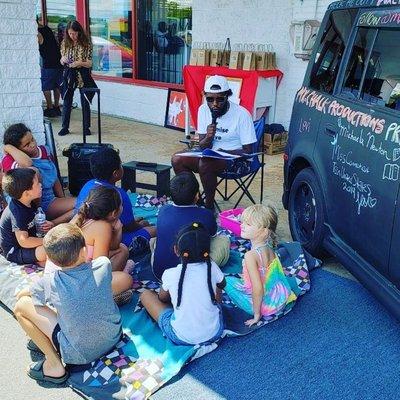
<point x="76" y="56"/>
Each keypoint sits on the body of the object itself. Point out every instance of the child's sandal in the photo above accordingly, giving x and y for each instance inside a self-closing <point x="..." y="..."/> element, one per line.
<point x="124" y="297"/>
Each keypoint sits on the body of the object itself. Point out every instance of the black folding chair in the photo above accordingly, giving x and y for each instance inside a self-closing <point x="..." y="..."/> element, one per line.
<point x="243" y="170"/>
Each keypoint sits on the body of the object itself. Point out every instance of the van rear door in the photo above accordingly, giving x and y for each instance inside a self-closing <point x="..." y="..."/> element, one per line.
<point x="358" y="141"/>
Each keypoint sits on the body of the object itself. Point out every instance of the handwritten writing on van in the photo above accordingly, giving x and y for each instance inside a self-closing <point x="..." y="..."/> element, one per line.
<point x="351" y="3"/>
<point x="368" y="140"/>
<point x="391" y="172"/>
<point x="326" y="105"/>
<point x="305" y="125"/>
<point x="379" y="18"/>
<point x="359" y="3"/>
<point x="347" y="158"/>
<point x="387" y="2"/>
<point x="360" y="191"/>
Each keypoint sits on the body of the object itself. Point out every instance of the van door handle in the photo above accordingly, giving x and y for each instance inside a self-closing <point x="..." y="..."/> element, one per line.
<point x="330" y="131"/>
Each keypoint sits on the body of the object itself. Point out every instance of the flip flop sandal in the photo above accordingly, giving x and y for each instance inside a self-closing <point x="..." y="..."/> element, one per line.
<point x="32" y="346"/>
<point x="36" y="372"/>
<point x="123" y="298"/>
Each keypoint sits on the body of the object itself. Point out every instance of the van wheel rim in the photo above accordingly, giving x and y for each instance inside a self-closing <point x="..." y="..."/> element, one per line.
<point x="305" y="212"/>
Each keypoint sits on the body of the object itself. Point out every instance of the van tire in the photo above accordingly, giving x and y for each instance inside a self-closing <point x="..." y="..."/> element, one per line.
<point x="307" y="212"/>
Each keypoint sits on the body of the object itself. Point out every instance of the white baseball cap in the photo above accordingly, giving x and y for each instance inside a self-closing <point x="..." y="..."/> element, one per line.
<point x="216" y="80"/>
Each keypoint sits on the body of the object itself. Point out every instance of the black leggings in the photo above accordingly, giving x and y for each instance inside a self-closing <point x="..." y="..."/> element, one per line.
<point x="67" y="106"/>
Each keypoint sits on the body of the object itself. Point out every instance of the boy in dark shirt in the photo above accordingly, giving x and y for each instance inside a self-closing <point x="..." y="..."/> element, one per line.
<point x="17" y="223"/>
<point x="105" y="165"/>
<point x="184" y="189"/>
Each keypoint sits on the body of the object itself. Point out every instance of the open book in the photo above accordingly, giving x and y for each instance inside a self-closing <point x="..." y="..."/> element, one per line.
<point x="210" y="153"/>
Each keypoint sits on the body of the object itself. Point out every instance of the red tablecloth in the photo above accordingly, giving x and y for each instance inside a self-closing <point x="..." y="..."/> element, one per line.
<point x="194" y="77"/>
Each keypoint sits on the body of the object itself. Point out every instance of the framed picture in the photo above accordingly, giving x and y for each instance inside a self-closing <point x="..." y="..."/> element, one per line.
<point x="176" y="109"/>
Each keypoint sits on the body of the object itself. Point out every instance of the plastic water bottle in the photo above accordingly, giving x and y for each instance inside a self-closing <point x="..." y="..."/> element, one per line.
<point x="40" y="219"/>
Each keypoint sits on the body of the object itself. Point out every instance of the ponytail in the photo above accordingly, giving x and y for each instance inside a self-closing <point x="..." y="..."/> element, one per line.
<point x="209" y="283"/>
<point x="101" y="201"/>
<point x="82" y="214"/>
<point x="273" y="239"/>
<point x="182" y="276"/>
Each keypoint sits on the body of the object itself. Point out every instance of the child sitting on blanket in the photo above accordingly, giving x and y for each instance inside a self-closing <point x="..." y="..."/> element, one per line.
<point x="17" y="226"/>
<point x="193" y="288"/>
<point x="263" y="289"/>
<point x="98" y="218"/>
<point x="21" y="151"/>
<point x="85" y="324"/>
<point x="105" y="166"/>
<point x="184" y="189"/>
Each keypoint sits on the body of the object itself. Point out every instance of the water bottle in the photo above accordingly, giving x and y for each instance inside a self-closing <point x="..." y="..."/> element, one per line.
<point x="40" y="219"/>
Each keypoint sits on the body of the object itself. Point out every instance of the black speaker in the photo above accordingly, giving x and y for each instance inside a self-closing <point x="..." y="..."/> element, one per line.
<point x="79" y="163"/>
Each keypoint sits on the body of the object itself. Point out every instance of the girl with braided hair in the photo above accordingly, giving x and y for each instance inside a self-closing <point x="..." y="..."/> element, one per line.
<point x="187" y="308"/>
<point x="263" y="289"/>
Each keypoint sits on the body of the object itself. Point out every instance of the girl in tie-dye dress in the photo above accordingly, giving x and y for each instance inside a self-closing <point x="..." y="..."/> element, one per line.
<point x="263" y="289"/>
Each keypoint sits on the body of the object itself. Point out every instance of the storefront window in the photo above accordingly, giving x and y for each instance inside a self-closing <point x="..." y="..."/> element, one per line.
<point x="58" y="15"/>
<point x="111" y="32"/>
<point x="164" y="34"/>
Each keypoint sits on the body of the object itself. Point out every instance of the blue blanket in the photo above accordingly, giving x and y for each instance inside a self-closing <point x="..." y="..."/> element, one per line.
<point x="144" y="360"/>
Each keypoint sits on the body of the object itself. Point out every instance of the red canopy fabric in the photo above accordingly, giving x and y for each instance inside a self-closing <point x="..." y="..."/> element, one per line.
<point x="194" y="77"/>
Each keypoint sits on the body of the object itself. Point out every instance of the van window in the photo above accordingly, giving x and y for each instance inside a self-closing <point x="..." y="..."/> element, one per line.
<point x="331" y="49"/>
<point x="382" y="78"/>
<point x="356" y="65"/>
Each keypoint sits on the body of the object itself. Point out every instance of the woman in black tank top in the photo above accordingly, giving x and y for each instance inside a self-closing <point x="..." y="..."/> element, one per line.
<point x="51" y="69"/>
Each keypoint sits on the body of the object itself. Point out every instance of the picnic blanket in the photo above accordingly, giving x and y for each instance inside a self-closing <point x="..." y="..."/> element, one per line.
<point x="144" y="360"/>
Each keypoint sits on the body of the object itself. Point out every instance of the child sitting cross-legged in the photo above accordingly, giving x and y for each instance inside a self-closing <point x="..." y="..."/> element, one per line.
<point x="186" y="308"/>
<point x="99" y="221"/>
<point x="105" y="165"/>
<point x="263" y="289"/>
<point x="84" y="322"/>
<point x="17" y="223"/>
<point x="184" y="189"/>
<point x="22" y="151"/>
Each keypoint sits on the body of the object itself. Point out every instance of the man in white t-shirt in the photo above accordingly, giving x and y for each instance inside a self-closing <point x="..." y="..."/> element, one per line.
<point x="222" y="125"/>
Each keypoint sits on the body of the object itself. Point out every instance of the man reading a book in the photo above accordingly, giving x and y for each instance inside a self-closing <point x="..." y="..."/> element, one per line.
<point x="222" y="125"/>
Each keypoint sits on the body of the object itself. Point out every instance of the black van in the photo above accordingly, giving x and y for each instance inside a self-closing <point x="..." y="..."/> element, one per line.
<point x="342" y="171"/>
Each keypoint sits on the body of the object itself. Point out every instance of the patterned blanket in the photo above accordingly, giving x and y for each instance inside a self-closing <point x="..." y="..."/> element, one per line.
<point x="144" y="360"/>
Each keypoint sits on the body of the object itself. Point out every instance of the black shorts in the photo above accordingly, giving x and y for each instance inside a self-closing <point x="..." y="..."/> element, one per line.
<point x="51" y="78"/>
<point x="22" y="256"/>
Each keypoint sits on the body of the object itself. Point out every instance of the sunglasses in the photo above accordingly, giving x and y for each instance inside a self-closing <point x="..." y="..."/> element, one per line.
<point x="219" y="99"/>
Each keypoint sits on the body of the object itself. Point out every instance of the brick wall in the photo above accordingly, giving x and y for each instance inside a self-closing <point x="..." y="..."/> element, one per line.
<point x="20" y="91"/>
<point x="260" y="21"/>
